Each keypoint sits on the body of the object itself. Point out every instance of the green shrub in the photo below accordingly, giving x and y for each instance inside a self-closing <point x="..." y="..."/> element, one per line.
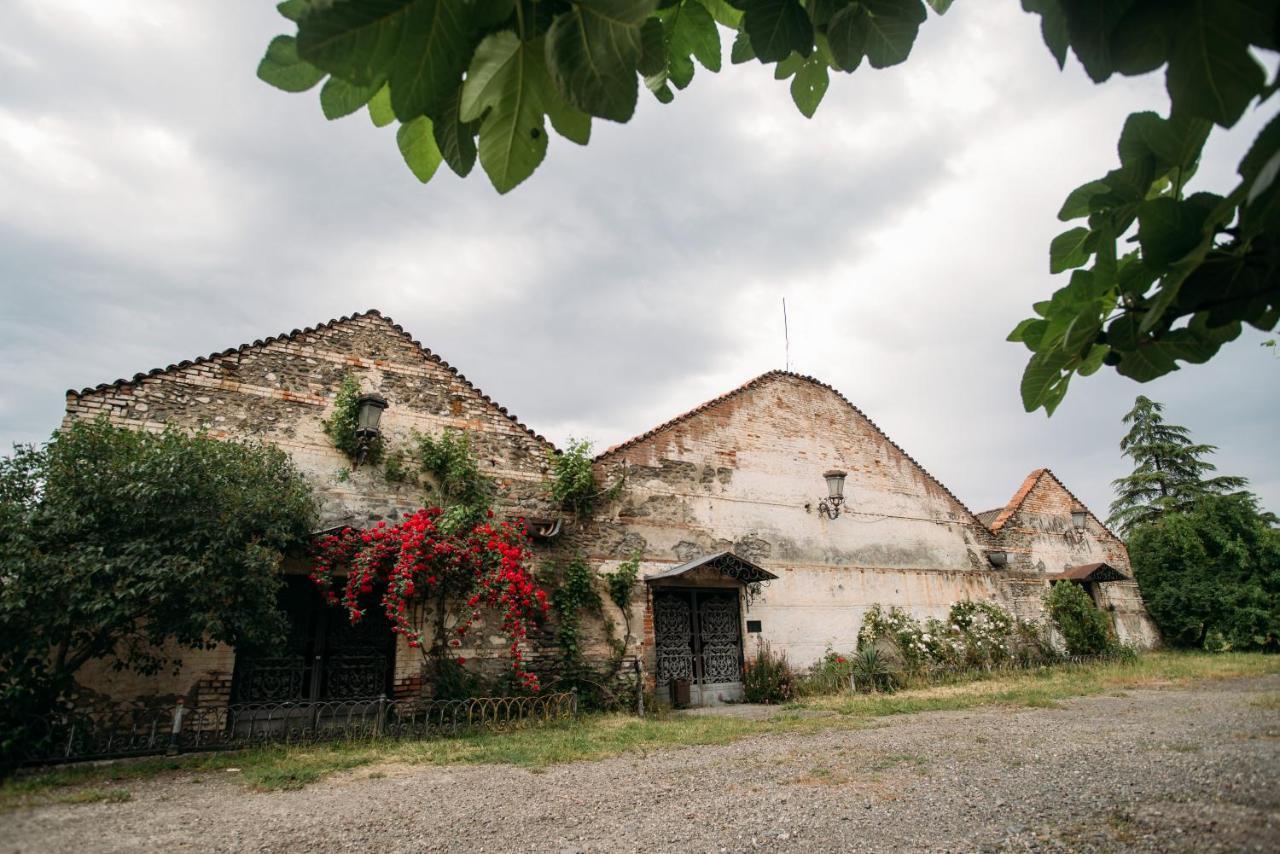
<point x="974" y="634"/>
<point x="573" y="480"/>
<point x="462" y="489"/>
<point x="1084" y="628"/>
<point x="829" y="675"/>
<point x="768" y="677"/>
<point x="871" y="671"/>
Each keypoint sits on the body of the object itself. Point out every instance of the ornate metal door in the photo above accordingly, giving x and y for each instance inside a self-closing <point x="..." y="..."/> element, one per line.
<point x="697" y="635"/>
<point x="324" y="657"/>
<point x="673" y="636"/>
<point x="720" y="637"/>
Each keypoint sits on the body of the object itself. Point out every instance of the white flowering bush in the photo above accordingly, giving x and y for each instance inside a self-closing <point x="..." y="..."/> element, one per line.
<point x="899" y="631"/>
<point x="974" y="634"/>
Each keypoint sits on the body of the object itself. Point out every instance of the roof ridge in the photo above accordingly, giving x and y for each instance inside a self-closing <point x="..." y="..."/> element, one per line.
<point x="1029" y="483"/>
<point x="1101" y="524"/>
<point x="752" y="383"/>
<point x="427" y="354"/>
<point x="1020" y="495"/>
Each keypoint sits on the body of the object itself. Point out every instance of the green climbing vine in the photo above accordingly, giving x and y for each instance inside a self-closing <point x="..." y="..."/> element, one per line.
<point x="621" y="584"/>
<point x="573" y="480"/>
<point x="341" y="425"/>
<point x="396" y="467"/>
<point x="462" y="490"/>
<point x="576" y="595"/>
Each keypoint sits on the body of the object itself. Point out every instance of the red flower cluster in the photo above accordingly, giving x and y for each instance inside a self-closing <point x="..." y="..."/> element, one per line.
<point x="414" y="561"/>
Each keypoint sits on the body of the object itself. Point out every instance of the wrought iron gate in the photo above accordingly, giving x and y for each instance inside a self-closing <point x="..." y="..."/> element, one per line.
<point x="324" y="658"/>
<point x="697" y="635"/>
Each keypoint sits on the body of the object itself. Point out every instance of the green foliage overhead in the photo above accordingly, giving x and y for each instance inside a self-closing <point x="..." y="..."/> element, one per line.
<point x="1156" y="277"/>
<point x="1210" y="576"/>
<point x="1169" y="472"/>
<point x="1084" y="628"/>
<point x="1204" y="264"/>
<point x="116" y="541"/>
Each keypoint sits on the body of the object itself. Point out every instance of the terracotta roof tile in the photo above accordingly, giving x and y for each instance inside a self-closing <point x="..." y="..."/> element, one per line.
<point x="296" y="333"/>
<point x="1029" y="484"/>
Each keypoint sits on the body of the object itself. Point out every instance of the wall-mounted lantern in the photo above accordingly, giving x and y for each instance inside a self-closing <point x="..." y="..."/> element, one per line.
<point x="998" y="559"/>
<point x="1079" y="518"/>
<point x="830" y="506"/>
<point x="369" y="415"/>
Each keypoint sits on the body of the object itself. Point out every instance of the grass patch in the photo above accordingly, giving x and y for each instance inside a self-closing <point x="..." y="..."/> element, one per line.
<point x="1270" y="702"/>
<point x="95" y="796"/>
<point x="1047" y="686"/>
<point x="603" y="736"/>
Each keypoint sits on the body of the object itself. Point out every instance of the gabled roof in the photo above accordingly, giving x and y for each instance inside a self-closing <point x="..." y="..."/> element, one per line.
<point x="1028" y="486"/>
<point x="297" y="333"/>
<point x="1090" y="572"/>
<point x="986" y="517"/>
<point x="762" y="380"/>
<point x="725" y="562"/>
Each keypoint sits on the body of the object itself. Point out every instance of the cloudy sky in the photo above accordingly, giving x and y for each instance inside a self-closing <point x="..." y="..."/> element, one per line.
<point x="158" y="202"/>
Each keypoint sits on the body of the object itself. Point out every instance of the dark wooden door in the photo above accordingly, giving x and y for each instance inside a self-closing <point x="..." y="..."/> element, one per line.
<point x="324" y="657"/>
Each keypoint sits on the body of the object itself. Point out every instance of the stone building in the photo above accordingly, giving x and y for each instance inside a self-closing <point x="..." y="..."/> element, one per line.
<point x="726" y="508"/>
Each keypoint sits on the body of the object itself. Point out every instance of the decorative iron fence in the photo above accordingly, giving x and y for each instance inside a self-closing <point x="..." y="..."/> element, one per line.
<point x="73" y="737"/>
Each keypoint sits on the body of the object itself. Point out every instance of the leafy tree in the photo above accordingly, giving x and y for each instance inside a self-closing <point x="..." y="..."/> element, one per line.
<point x="1169" y="472"/>
<point x="1084" y="628"/>
<point x="1212" y="573"/>
<point x="470" y="79"/>
<point x="117" y="541"/>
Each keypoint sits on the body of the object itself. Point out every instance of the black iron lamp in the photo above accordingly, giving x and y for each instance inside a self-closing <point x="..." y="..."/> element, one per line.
<point x="830" y="506"/>
<point x="368" y="416"/>
<point x="998" y="559"/>
<point x="1079" y="518"/>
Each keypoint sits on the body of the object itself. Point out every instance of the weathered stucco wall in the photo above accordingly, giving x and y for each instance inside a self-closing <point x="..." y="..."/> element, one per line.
<point x="745" y="473"/>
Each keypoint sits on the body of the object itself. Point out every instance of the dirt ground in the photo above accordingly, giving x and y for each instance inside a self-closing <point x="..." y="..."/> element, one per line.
<point x="1176" y="769"/>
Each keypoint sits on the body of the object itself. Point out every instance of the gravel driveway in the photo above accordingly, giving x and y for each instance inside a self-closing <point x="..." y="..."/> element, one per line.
<point x="1189" y="769"/>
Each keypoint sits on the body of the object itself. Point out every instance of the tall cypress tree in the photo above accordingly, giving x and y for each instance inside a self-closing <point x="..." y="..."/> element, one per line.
<point x="1169" y="470"/>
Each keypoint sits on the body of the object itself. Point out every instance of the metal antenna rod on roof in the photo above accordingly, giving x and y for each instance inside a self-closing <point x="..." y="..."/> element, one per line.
<point x="786" y="336"/>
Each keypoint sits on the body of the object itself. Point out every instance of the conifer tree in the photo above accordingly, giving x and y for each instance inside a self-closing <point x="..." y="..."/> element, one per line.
<point x="1169" y="471"/>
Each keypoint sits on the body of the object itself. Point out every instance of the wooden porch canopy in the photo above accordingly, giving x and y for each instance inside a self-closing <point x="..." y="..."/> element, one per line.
<point x="726" y="563"/>
<point x="1090" y="572"/>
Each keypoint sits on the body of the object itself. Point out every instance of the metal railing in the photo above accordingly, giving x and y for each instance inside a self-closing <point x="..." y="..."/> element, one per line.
<point x="77" y="736"/>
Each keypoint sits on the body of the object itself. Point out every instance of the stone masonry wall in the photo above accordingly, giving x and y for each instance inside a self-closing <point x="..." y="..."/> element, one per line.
<point x="281" y="390"/>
